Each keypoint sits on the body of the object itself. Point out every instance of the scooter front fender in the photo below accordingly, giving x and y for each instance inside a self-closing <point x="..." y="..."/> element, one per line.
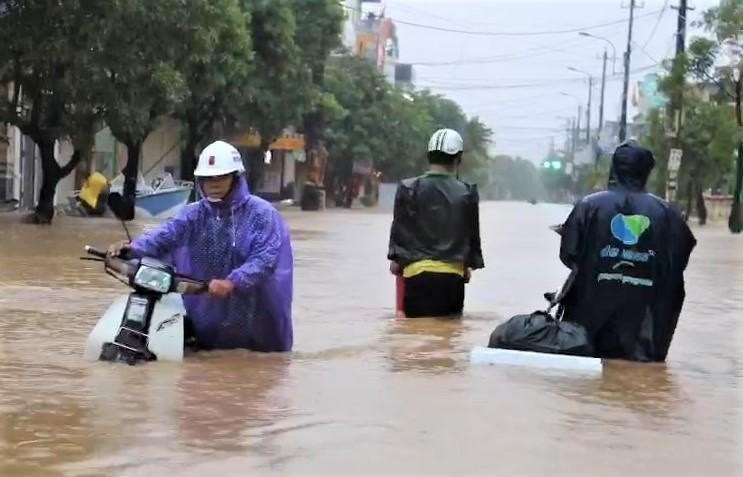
<point x="166" y="331"/>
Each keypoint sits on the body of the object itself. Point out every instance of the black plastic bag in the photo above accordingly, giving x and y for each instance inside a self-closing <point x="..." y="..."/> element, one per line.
<point x="542" y="333"/>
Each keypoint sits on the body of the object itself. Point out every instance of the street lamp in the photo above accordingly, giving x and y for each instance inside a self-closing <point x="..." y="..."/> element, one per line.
<point x="603" y="75"/>
<point x="613" y="49"/>
<point x="732" y="50"/>
<point x="588" y="111"/>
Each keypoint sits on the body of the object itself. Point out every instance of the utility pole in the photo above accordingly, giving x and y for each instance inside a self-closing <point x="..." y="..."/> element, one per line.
<point x="601" y="104"/>
<point x="571" y="138"/>
<point x="627" y="57"/>
<point x="681" y="26"/>
<point x="677" y="105"/>
<point x="735" y="222"/>
<point x="733" y="48"/>
<point x="568" y="138"/>
<point x="588" y="111"/>
<point x="576" y="134"/>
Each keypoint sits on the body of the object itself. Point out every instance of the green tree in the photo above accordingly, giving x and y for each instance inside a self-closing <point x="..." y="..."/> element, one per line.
<point x="275" y="96"/>
<point x="476" y="160"/>
<point x="218" y="79"/>
<point x="380" y="124"/>
<point x="708" y="131"/>
<point x="45" y="59"/>
<point x="725" y="20"/>
<point x="357" y="130"/>
<point x="139" y="80"/>
<point x="655" y="141"/>
<point x="407" y="128"/>
<point x="320" y="25"/>
<point x="708" y="144"/>
<point x="515" y="178"/>
<point x="444" y="112"/>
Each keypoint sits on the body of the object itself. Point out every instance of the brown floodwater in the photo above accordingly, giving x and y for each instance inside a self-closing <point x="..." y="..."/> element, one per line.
<point x="362" y="393"/>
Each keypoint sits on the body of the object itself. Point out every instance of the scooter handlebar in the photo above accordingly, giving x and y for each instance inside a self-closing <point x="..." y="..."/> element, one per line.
<point x="94" y="252"/>
<point x="183" y="284"/>
<point x="189" y="286"/>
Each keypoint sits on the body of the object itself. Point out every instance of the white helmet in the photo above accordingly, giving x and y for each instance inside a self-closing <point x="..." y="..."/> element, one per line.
<point x="217" y="159"/>
<point x="447" y="141"/>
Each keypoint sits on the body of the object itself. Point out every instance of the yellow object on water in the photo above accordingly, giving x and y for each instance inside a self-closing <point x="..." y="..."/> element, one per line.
<point x="94" y="185"/>
<point x="433" y="266"/>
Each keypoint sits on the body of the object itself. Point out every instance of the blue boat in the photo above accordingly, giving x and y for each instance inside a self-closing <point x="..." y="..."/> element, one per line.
<point x="162" y="198"/>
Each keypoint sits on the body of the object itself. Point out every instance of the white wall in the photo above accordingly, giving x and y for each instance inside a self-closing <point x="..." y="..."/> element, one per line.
<point x="352" y="10"/>
<point x="290" y="167"/>
<point x="165" y="143"/>
<point x="387" y="191"/>
<point x="65" y="187"/>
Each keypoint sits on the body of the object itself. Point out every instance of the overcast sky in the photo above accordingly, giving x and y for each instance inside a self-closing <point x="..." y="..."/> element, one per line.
<point x="514" y="83"/>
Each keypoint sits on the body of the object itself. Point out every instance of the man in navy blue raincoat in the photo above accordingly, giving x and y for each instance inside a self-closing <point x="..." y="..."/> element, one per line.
<point x="630" y="249"/>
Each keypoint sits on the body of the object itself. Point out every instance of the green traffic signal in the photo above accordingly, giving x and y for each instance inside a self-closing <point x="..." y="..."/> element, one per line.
<point x="557" y="165"/>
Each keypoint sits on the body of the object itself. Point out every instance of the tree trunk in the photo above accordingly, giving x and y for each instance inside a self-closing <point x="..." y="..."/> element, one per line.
<point x="255" y="165"/>
<point x="51" y="174"/>
<point x="196" y="132"/>
<point x="85" y="166"/>
<point x="188" y="156"/>
<point x="50" y="177"/>
<point x="701" y="206"/>
<point x="349" y="181"/>
<point x="189" y="161"/>
<point x="131" y="170"/>
<point x="125" y="209"/>
<point x="83" y="171"/>
<point x="689" y="198"/>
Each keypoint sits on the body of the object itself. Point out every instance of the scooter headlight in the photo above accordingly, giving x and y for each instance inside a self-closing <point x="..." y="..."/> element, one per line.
<point x="153" y="279"/>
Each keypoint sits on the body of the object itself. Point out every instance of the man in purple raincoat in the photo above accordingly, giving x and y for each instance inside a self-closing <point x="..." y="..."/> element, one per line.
<point x="241" y="246"/>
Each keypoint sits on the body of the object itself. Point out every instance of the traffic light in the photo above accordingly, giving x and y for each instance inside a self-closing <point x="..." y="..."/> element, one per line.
<point x="555" y="165"/>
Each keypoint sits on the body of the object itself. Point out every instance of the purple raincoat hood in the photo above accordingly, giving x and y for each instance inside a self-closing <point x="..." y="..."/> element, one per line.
<point x="239" y="194"/>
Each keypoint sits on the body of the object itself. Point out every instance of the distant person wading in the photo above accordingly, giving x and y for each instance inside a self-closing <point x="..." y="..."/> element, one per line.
<point x="435" y="235"/>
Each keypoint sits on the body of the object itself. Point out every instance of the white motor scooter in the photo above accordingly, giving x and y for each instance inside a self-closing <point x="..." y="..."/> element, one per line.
<point x="149" y="323"/>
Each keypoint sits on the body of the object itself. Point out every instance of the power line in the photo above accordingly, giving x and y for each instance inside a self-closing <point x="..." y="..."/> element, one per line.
<point x="516" y="33"/>
<point x="470" y="87"/>
<point x="522" y="33"/>
<point x="644" y="52"/>
<point x="484" y="87"/>
<point x="657" y="22"/>
<point x="528" y="128"/>
<point x="520" y="99"/>
<point x="532" y="114"/>
<point x="539" y="50"/>
<point x="459" y="81"/>
<point x="501" y="58"/>
<point x="426" y="13"/>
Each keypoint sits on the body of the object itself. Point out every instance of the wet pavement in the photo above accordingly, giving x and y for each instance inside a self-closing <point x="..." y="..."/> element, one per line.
<point x="363" y="393"/>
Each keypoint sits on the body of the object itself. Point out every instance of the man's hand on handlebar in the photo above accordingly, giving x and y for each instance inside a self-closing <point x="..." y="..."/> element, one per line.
<point x="221" y="288"/>
<point x="119" y="247"/>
